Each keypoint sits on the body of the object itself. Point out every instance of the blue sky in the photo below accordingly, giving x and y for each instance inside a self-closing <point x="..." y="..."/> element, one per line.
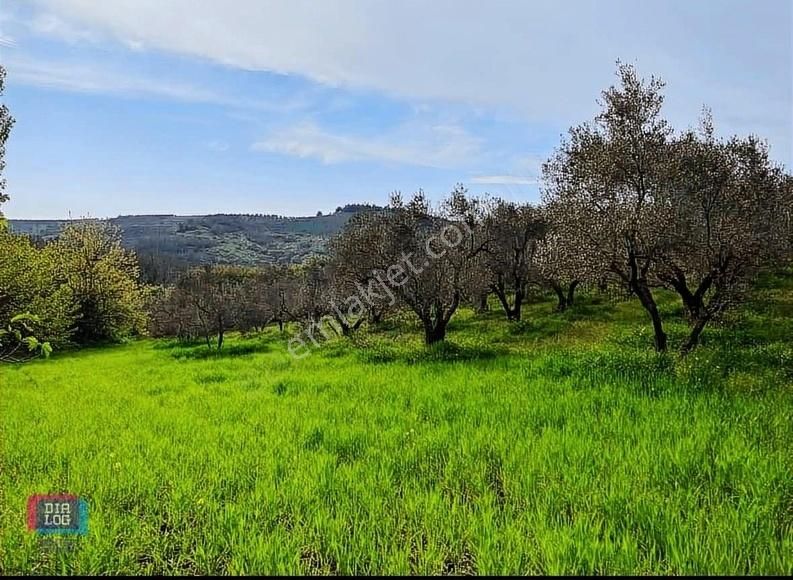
<point x="199" y="106"/>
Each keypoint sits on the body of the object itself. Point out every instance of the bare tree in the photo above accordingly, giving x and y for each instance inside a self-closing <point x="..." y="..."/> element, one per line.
<point x="171" y="314"/>
<point x="259" y="305"/>
<point x="281" y="293"/>
<point x="311" y="297"/>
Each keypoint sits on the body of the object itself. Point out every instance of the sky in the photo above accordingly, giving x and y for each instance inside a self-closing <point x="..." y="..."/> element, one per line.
<point x="293" y="107"/>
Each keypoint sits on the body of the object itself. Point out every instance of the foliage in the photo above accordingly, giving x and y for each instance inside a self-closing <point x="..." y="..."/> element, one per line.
<point x="728" y="223"/>
<point x="30" y="282"/>
<point x="512" y="234"/>
<point x="650" y="208"/>
<point x="17" y="342"/>
<point x="103" y="279"/>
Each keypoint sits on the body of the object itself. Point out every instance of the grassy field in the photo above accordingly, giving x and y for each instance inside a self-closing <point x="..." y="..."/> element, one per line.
<point x="557" y="445"/>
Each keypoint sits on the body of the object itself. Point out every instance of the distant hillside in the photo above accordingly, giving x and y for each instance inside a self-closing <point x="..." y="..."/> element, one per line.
<point x="222" y="238"/>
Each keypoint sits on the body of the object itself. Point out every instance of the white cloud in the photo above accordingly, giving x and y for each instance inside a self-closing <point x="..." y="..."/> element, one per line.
<point x="545" y="60"/>
<point x="503" y="180"/>
<point x="49" y="24"/>
<point x="83" y="77"/>
<point x="440" y="146"/>
<point x="86" y="78"/>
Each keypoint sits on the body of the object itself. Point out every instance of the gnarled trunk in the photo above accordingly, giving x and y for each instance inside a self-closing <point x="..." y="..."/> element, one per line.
<point x="565" y="296"/>
<point x="513" y="311"/>
<point x="434" y="332"/>
<point x="694" y="336"/>
<point x="436" y="320"/>
<point x="561" y="304"/>
<point x="648" y="302"/>
<point x="346" y="328"/>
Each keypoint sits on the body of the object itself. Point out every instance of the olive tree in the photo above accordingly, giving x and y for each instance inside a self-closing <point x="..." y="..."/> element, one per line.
<point x="694" y="213"/>
<point x="609" y="177"/>
<point x="510" y="236"/>
<point x="562" y="262"/>
<point x="419" y="258"/>
<point x="355" y="256"/>
<point x="729" y="220"/>
<point x="211" y="297"/>
<point x="276" y="291"/>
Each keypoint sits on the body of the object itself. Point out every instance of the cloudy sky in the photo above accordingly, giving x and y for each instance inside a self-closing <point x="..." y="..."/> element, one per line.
<point x="209" y="106"/>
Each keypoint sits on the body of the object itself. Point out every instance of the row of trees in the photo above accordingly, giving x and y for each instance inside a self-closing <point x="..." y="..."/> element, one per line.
<point x="627" y="203"/>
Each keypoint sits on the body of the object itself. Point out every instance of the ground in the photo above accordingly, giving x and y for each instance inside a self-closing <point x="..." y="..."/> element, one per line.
<point x="561" y="444"/>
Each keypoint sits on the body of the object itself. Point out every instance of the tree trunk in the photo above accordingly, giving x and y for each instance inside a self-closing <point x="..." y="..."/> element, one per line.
<point x="434" y="332"/>
<point x="693" y="338"/>
<point x="280" y="325"/>
<point x="562" y="299"/>
<point x="502" y="297"/>
<point x="516" y="309"/>
<point x="482" y="305"/>
<point x="435" y="328"/>
<point x="658" y="329"/>
<point x="512" y="312"/>
<point x="648" y="302"/>
<point x="220" y="338"/>
<point x="571" y="292"/>
<point x="691" y="302"/>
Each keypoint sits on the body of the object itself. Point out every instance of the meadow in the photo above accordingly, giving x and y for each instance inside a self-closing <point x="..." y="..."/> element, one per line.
<point x="561" y="444"/>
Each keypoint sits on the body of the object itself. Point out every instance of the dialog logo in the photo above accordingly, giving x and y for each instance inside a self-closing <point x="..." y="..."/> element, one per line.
<point x="57" y="514"/>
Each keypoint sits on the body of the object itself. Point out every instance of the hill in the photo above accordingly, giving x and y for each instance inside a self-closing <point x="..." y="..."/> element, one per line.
<point x="223" y="238"/>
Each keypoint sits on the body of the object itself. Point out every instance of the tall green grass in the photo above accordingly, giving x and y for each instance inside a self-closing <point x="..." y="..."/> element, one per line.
<point x="562" y="444"/>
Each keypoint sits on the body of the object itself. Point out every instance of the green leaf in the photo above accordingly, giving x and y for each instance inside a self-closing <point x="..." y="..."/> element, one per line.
<point x="27" y="316"/>
<point x="46" y="349"/>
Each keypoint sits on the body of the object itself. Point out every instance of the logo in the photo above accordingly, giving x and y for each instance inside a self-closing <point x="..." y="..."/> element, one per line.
<point x="57" y="514"/>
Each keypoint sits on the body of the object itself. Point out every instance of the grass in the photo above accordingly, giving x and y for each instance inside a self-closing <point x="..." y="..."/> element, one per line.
<point x="562" y="444"/>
